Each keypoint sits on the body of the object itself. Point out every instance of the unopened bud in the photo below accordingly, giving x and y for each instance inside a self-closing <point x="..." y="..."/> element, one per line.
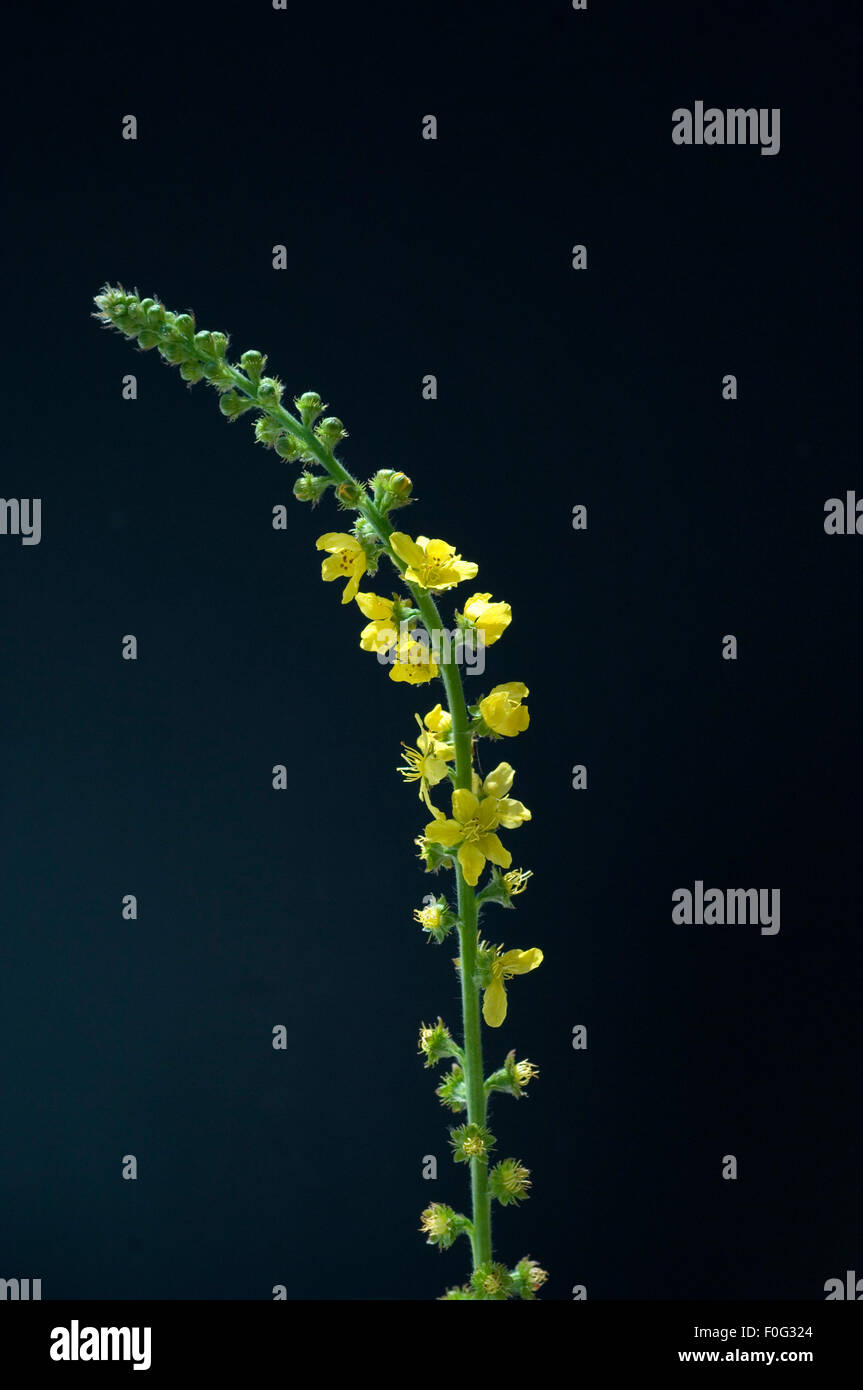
<point x="184" y="325"/>
<point x="310" y="405"/>
<point x="231" y="405"/>
<point x="191" y="371"/>
<point x="287" y="448"/>
<point x="310" y="487"/>
<point x="330" y="431"/>
<point x="270" y="391"/>
<point x="349" y="493"/>
<point x="253" y="363"/>
<point x="267" y="431"/>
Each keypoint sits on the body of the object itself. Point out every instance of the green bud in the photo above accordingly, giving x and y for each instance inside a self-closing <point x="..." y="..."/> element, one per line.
<point x="204" y="344"/>
<point x="175" y="351"/>
<point x="310" y="405"/>
<point x="267" y="430"/>
<point x="191" y="371"/>
<point x="148" y="338"/>
<point x="231" y="405"/>
<point x="310" y="487"/>
<point x="218" y="375"/>
<point x="270" y="391"/>
<point x="330" y="431"/>
<point x="253" y="363"/>
<point x="287" y="448"/>
<point x="145" y="305"/>
<point x="184" y="325"/>
<point x="350" y="495"/>
<point x="156" y="315"/>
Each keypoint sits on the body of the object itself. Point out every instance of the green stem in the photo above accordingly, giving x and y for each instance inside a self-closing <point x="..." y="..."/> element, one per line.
<point x="477" y="1098"/>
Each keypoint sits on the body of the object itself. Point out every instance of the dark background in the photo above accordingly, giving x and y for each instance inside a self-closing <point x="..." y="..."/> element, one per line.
<point x="407" y="257"/>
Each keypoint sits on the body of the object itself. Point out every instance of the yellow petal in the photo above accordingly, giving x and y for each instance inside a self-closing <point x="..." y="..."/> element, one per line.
<point x="494" y="1003"/>
<point x="464" y="804"/>
<point x="438" y="552"/>
<point x="406" y="549"/>
<point x="337" y="540"/>
<point x="520" y="962"/>
<point x="472" y="861"/>
<point x="494" y="850"/>
<point x="512" y="813"/>
<point x="372" y="606"/>
<point x="498" y="782"/>
<point x="444" y="832"/>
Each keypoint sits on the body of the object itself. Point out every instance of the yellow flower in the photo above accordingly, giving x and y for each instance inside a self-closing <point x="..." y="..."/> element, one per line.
<point x="475" y="817"/>
<point x="510" y="813"/>
<point x="426" y="763"/>
<point x="431" y="564"/>
<point x="503" y="711"/>
<point x="382" y="632"/>
<point x="347" y="560"/>
<point x="415" y="664"/>
<point x="510" y="963"/>
<point x="438" y="720"/>
<point x="491" y="619"/>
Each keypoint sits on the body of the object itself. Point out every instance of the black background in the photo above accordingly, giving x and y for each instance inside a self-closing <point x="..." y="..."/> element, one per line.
<point x="407" y="257"/>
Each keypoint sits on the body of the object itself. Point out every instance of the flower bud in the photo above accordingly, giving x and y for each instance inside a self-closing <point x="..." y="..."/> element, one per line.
<point x="218" y="374"/>
<point x="231" y="405"/>
<point x="184" y="325"/>
<point x="145" y="305"/>
<point x="349" y="494"/>
<point x="287" y="448"/>
<point x="191" y="371"/>
<point x="310" y="487"/>
<point x="148" y="338"/>
<point x="267" y="431"/>
<point x="310" y="405"/>
<point x="330" y="431"/>
<point x="156" y="315"/>
<point x="253" y="363"/>
<point x="401" y="485"/>
<point x="174" y="350"/>
<point x="210" y="344"/>
<point x="270" y="391"/>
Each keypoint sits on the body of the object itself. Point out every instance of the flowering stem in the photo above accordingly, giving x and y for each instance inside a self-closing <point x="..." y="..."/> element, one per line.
<point x="477" y="1097"/>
